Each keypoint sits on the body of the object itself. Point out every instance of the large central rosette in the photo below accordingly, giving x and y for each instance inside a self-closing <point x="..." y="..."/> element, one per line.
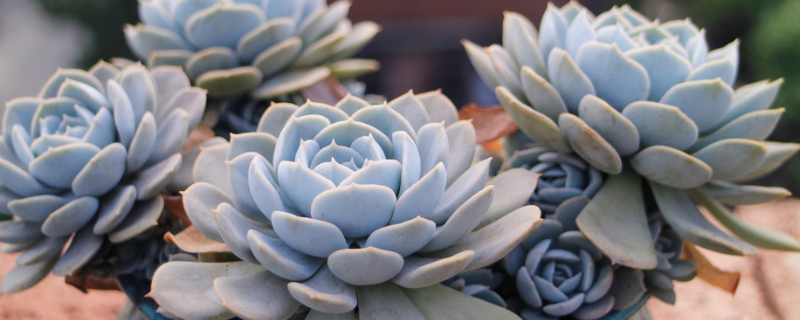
<point x="331" y="198"/>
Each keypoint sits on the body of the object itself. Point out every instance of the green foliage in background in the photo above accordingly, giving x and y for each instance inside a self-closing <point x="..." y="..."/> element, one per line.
<point x="104" y="19"/>
<point x="774" y="47"/>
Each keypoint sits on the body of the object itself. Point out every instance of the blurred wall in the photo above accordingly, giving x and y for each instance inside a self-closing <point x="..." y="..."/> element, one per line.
<point x="33" y="45"/>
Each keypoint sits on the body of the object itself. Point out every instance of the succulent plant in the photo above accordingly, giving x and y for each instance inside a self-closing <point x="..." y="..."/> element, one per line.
<point x="268" y="47"/>
<point x="562" y="176"/>
<point x="334" y="207"/>
<point x="669" y="247"/>
<point x="639" y="99"/>
<point x="559" y="273"/>
<point x="479" y="283"/>
<point x="89" y="156"/>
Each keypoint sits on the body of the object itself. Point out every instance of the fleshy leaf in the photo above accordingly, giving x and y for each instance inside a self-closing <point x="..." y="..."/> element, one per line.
<point x="615" y="220"/>
<point x="325" y="293"/>
<point x="306" y="235"/>
<point x="738" y="195"/>
<point x="494" y="241"/>
<point x="704" y="101"/>
<point x="357" y="210"/>
<point x="619" y="80"/>
<point x="533" y="123"/>
<point x="732" y="158"/>
<point x="419" y="272"/>
<point x="753" y="234"/>
<point x="684" y="217"/>
<point x="440" y="302"/>
<point x="513" y="189"/>
<point x="81" y="249"/>
<point x="143" y="216"/>
<point x="24" y="277"/>
<point x="279" y="258"/>
<point x="365" y="266"/>
<point x="260" y="295"/>
<point x="589" y="144"/>
<point x="186" y="289"/>
<point x="386" y="301"/>
<point x="199" y="200"/>
<point x="661" y="124"/>
<point x="609" y="124"/>
<point x="289" y="82"/>
<point x="671" y="167"/>
<point x="70" y="217"/>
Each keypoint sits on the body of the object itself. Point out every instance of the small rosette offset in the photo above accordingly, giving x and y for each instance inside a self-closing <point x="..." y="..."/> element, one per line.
<point x="562" y="176"/>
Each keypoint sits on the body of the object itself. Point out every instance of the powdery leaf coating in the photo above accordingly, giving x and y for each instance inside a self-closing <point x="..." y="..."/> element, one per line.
<point x="359" y="196"/>
<point x="261" y="47"/>
<point x="81" y="157"/>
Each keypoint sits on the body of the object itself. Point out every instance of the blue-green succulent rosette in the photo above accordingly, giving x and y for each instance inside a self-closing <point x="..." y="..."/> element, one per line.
<point x="265" y="47"/>
<point x="671" y="266"/>
<point x="560" y="274"/>
<point x="86" y="159"/>
<point x="352" y="209"/>
<point x="647" y="103"/>
<point x="561" y="176"/>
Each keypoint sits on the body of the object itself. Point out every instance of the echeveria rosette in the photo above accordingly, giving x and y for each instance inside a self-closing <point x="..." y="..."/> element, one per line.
<point x="334" y="207"/>
<point x="559" y="273"/>
<point x="235" y="46"/>
<point x="669" y="247"/>
<point x="480" y="283"/>
<point x="641" y="99"/>
<point x="89" y="156"/>
<point x="562" y="176"/>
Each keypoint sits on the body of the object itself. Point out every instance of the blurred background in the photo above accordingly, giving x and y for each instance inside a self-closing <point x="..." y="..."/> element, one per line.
<point x="419" y="47"/>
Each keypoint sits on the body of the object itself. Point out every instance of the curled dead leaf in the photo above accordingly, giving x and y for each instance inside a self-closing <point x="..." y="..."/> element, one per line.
<point x="191" y="240"/>
<point x="725" y="280"/>
<point x="491" y="123"/>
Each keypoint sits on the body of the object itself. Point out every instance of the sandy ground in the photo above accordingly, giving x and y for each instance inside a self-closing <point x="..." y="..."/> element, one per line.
<point x="768" y="288"/>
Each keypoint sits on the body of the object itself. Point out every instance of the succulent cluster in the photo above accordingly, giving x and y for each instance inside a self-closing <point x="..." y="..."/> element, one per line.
<point x="324" y="202"/>
<point x="642" y="101"/>
<point x="269" y="47"/>
<point x="89" y="156"/>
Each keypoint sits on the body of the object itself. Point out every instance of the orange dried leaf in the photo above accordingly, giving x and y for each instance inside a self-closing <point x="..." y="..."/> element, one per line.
<point x="191" y="240"/>
<point x="725" y="280"/>
<point x="491" y="123"/>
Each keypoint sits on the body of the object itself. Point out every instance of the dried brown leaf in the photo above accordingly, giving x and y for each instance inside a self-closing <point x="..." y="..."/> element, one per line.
<point x="725" y="280"/>
<point x="329" y="91"/>
<point x="191" y="240"/>
<point x="491" y="123"/>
